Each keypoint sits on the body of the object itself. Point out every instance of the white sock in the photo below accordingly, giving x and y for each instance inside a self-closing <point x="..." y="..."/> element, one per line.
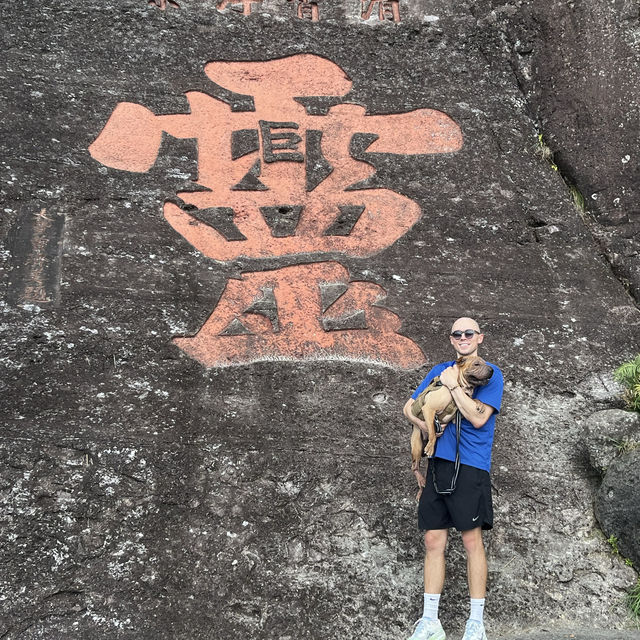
<point x="431" y="602"/>
<point x="477" y="609"/>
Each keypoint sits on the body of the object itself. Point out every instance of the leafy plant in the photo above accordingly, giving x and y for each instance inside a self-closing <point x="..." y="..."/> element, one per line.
<point x="545" y="152"/>
<point x="633" y="601"/>
<point x="578" y="199"/>
<point x="613" y="542"/>
<point x="629" y="375"/>
<point x="624" y="445"/>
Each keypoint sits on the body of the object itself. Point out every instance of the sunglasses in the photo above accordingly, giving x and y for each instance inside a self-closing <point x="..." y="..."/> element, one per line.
<point x="469" y="333"/>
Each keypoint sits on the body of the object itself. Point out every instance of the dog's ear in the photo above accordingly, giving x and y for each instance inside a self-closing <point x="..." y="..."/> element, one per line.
<point x="487" y="372"/>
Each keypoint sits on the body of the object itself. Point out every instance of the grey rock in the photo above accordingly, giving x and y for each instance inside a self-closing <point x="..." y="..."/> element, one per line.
<point x="581" y="634"/>
<point x="593" y="139"/>
<point x="618" y="504"/>
<point x="610" y="432"/>
<point x="146" y="497"/>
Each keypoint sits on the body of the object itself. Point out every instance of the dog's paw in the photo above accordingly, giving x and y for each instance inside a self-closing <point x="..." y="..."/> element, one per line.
<point x="422" y="481"/>
<point x="418" y="494"/>
<point x="430" y="448"/>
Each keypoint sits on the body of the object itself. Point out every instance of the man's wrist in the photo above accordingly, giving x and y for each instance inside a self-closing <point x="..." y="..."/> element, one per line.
<point x="453" y="388"/>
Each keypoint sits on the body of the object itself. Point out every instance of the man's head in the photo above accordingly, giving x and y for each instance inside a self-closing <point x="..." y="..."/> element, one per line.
<point x="466" y="337"/>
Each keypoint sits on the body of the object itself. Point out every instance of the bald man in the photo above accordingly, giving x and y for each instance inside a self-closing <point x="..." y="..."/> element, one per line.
<point x="458" y="487"/>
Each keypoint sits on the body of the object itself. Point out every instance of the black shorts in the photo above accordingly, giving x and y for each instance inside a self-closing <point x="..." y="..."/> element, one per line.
<point x="468" y="507"/>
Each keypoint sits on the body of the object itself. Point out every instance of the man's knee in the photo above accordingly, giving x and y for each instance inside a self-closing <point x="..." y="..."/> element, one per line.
<point x="435" y="540"/>
<point x="472" y="541"/>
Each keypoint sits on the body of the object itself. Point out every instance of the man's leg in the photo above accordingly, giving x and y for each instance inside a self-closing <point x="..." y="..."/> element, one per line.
<point x="477" y="577"/>
<point x="476" y="562"/>
<point x="428" y="627"/>
<point x="435" y="542"/>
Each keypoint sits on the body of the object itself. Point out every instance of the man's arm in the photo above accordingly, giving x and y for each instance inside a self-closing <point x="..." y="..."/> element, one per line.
<point x="476" y="412"/>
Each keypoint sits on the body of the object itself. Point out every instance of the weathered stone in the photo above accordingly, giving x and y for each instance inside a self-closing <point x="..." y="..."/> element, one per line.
<point x="610" y="432"/>
<point x="575" y="634"/>
<point x="577" y="64"/>
<point x="147" y="496"/>
<point x="618" y="503"/>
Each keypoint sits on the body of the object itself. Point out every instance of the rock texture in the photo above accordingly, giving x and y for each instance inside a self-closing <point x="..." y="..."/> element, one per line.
<point x="577" y="64"/>
<point x="577" y="635"/>
<point x="145" y="495"/>
<point x="613" y="444"/>
<point x="617" y="504"/>
<point x="609" y="433"/>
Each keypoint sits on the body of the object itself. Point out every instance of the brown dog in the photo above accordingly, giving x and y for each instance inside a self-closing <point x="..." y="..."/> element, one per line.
<point x="436" y="401"/>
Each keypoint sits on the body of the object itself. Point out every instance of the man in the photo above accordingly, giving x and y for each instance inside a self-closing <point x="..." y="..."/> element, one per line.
<point x="468" y="506"/>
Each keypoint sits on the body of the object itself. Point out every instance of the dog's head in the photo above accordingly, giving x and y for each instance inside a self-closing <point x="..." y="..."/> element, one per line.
<point x="473" y="371"/>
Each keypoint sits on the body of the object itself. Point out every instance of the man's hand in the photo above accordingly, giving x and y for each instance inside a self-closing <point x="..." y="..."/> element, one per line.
<point x="449" y="377"/>
<point x="421" y="424"/>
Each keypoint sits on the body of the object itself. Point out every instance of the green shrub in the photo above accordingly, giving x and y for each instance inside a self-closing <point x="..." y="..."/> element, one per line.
<point x="633" y="601"/>
<point x="629" y="375"/>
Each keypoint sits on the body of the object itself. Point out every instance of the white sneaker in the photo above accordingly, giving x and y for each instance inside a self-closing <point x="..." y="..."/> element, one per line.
<point x="428" y="630"/>
<point x="474" y="631"/>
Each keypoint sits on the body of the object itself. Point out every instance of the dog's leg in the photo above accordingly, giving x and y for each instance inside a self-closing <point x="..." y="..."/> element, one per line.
<point x="416" y="455"/>
<point x="416" y="448"/>
<point x="422" y="481"/>
<point x="429" y="418"/>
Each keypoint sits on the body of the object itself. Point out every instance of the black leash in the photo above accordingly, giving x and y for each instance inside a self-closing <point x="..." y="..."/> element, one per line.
<point x="456" y="469"/>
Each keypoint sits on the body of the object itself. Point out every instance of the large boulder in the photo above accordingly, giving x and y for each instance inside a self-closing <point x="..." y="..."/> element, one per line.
<point x="609" y="433"/>
<point x="618" y="504"/>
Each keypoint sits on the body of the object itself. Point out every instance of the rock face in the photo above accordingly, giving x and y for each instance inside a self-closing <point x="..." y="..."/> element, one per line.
<point x="578" y="66"/>
<point x="608" y="434"/>
<point x="234" y="239"/>
<point x="618" y="504"/>
<point x="613" y="443"/>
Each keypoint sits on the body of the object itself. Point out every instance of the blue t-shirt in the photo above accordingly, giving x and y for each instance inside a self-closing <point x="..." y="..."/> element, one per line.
<point x="475" y="444"/>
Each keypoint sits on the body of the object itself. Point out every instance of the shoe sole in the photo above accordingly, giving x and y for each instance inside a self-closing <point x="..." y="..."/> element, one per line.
<point x="441" y="636"/>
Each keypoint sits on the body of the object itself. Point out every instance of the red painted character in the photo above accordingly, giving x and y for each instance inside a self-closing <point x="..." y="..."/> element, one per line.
<point x="280" y="180"/>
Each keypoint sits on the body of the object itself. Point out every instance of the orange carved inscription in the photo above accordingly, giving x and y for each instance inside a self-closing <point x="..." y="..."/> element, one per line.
<point x="244" y="6"/>
<point x="307" y="10"/>
<point x="386" y="9"/>
<point x="299" y="312"/>
<point x="281" y="180"/>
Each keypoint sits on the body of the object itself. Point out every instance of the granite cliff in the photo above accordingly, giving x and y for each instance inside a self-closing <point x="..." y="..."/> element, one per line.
<point x="234" y="238"/>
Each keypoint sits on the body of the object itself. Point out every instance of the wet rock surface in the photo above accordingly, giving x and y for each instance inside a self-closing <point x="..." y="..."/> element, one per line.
<point x="147" y="496"/>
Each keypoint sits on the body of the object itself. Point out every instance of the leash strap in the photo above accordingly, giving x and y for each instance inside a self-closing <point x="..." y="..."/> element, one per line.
<point x="456" y="469"/>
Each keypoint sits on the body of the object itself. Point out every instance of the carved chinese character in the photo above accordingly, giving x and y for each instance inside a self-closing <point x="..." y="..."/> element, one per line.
<point x="245" y="6"/>
<point x="281" y="180"/>
<point x="307" y="9"/>
<point x="284" y="177"/>
<point x="387" y="9"/>
<point x="304" y="311"/>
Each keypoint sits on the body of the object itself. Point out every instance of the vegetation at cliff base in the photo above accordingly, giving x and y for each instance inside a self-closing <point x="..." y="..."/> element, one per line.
<point x="629" y="375"/>
<point x="633" y="601"/>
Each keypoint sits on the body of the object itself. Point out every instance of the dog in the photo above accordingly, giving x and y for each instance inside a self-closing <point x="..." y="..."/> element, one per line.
<point x="436" y="402"/>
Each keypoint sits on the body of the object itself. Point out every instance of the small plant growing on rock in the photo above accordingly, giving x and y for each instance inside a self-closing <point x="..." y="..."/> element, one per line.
<point x="629" y="375"/>
<point x="633" y="601"/>
<point x="613" y="543"/>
